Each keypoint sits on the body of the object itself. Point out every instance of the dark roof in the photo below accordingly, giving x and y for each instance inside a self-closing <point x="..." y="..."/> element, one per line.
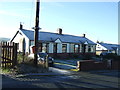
<point x="51" y="37"/>
<point x="109" y="46"/>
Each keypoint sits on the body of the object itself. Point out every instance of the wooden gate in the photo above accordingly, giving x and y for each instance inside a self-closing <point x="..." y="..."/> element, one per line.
<point x="8" y="55"/>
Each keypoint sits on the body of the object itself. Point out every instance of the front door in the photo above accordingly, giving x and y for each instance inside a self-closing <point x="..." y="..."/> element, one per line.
<point x="55" y="48"/>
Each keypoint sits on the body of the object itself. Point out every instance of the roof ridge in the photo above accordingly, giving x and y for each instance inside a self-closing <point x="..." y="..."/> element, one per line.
<point x="53" y="33"/>
<point x="108" y="43"/>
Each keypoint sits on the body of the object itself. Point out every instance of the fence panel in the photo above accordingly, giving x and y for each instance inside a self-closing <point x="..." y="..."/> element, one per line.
<point x="8" y="54"/>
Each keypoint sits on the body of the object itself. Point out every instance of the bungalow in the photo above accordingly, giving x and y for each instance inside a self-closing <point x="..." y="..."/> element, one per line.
<point x="55" y="44"/>
<point x="105" y="47"/>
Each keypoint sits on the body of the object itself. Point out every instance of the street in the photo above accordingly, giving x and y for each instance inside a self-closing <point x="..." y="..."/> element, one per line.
<point x="60" y="78"/>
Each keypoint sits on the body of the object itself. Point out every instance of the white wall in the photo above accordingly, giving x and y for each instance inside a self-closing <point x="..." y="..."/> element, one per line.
<point x="100" y="47"/>
<point x="80" y="47"/>
<point x="59" y="48"/>
<point x="27" y="45"/>
<point x="68" y="47"/>
<point x="94" y="48"/>
<point x="118" y="50"/>
<point x="50" y="47"/>
<point x="71" y="48"/>
<point x="86" y="50"/>
<point x="19" y="39"/>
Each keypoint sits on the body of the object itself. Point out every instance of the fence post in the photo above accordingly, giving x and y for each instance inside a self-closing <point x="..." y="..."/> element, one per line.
<point x="3" y="54"/>
<point x="8" y="54"/>
<point x="0" y="54"/>
<point x="46" y="62"/>
<point x="15" y="53"/>
<point x="14" y="58"/>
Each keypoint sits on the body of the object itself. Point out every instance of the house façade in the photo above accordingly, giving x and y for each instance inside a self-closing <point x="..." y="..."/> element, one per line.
<point x="55" y="44"/>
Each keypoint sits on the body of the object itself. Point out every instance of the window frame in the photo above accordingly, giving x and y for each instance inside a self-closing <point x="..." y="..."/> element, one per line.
<point x="64" y="46"/>
<point x="78" y="48"/>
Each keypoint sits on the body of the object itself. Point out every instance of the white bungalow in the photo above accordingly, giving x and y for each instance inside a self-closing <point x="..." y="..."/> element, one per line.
<point x="55" y="44"/>
<point x="105" y="47"/>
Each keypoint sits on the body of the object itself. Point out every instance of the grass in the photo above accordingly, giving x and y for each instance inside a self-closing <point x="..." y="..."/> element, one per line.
<point x="5" y="70"/>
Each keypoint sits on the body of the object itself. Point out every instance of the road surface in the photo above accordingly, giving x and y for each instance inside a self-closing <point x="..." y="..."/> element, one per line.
<point x="60" y="78"/>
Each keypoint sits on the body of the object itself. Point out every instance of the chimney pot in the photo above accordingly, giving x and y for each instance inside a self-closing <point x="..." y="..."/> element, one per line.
<point x="83" y="35"/>
<point x="59" y="30"/>
<point x="21" y="26"/>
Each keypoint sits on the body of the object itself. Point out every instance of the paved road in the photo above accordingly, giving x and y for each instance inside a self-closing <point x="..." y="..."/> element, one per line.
<point x="60" y="79"/>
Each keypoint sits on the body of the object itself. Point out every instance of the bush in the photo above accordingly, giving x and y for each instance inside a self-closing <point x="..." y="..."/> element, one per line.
<point x="23" y="58"/>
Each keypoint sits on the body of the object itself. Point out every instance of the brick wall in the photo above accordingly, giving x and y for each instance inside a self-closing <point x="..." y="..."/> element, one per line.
<point x="115" y="65"/>
<point x="87" y="65"/>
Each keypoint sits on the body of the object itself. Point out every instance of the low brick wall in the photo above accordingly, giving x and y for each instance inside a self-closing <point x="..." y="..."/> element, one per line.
<point x="115" y="65"/>
<point x="87" y="65"/>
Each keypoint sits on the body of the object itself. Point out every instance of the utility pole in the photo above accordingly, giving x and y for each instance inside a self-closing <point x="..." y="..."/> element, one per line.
<point x="36" y="33"/>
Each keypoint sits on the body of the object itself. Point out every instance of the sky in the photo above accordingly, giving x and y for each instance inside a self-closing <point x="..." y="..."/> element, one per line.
<point x="98" y="20"/>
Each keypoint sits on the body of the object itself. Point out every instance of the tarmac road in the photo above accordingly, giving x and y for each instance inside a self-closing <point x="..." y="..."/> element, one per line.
<point x="60" y="78"/>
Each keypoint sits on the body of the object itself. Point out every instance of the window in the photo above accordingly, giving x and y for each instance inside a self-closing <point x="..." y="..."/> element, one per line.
<point x="89" y="49"/>
<point x="76" y="48"/>
<point x="45" y="47"/>
<point x="64" y="48"/>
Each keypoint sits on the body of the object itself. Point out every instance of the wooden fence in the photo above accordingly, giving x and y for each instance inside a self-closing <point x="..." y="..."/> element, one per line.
<point x="8" y="54"/>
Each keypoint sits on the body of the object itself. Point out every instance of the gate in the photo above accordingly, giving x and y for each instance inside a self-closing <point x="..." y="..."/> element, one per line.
<point x="8" y="54"/>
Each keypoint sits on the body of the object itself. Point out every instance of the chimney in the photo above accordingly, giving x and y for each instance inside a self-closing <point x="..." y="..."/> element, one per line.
<point x="97" y="41"/>
<point x="59" y="31"/>
<point x="83" y="35"/>
<point x="21" y="26"/>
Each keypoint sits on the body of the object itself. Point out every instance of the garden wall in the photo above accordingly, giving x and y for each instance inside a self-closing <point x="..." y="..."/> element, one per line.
<point x="86" y="65"/>
<point x="115" y="65"/>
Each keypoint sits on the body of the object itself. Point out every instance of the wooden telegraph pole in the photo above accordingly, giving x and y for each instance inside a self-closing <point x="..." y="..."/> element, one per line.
<point x="36" y="33"/>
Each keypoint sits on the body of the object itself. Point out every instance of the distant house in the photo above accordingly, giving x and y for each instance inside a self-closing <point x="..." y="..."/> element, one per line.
<point x="55" y="44"/>
<point x="2" y="39"/>
<point x="105" y="47"/>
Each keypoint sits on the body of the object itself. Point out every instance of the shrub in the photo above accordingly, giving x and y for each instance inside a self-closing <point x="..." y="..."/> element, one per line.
<point x="23" y="58"/>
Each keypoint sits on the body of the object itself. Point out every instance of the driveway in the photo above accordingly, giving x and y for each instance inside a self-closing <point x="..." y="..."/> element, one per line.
<point x="65" y="64"/>
<point x="71" y="64"/>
